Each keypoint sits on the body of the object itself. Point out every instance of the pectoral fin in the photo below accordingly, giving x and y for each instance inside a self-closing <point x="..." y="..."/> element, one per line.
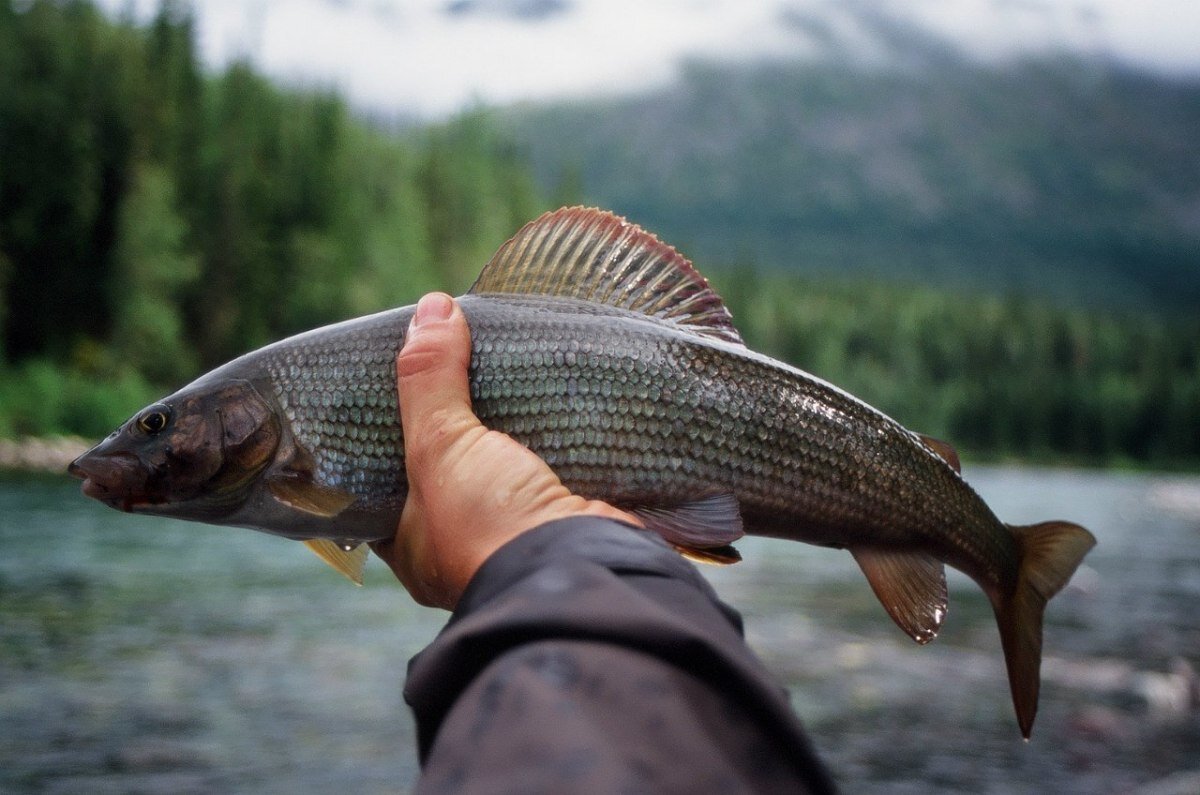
<point x="911" y="586"/>
<point x="304" y="495"/>
<point x="346" y="562"/>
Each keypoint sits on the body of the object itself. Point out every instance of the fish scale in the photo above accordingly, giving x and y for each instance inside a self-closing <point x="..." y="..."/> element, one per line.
<point x="605" y="352"/>
<point x="710" y="425"/>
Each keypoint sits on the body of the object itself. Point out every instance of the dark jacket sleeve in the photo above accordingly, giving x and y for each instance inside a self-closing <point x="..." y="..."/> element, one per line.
<point x="587" y="656"/>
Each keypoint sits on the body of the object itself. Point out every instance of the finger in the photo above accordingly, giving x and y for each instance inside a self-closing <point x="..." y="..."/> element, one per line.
<point x="431" y="371"/>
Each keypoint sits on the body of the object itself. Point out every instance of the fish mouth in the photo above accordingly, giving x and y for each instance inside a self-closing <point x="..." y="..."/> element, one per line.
<point x="111" y="479"/>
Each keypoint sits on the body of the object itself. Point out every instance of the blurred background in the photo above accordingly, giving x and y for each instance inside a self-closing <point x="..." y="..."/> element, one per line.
<point x="982" y="217"/>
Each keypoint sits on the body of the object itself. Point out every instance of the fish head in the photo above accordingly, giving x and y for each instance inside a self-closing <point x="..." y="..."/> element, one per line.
<point x="195" y="454"/>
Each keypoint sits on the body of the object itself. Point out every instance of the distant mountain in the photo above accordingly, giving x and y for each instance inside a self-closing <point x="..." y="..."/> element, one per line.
<point x="1059" y="177"/>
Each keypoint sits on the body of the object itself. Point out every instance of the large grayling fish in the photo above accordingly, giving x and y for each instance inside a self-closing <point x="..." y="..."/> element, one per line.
<point x="605" y="352"/>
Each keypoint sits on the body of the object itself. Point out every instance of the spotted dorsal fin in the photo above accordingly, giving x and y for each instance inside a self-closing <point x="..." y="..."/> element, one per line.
<point x="593" y="255"/>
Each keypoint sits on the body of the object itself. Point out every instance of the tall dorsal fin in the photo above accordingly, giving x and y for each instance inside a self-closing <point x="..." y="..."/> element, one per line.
<point x="593" y="255"/>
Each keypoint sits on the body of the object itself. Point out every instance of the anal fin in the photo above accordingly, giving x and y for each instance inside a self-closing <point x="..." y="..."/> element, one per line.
<point x="911" y="586"/>
<point x="347" y="562"/>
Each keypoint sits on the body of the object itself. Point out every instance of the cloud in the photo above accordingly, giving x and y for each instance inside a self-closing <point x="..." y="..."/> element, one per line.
<point x="423" y="57"/>
<point x="431" y="57"/>
<point x="1159" y="35"/>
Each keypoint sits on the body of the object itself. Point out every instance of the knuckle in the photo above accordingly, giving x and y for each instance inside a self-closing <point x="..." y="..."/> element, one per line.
<point x="419" y="358"/>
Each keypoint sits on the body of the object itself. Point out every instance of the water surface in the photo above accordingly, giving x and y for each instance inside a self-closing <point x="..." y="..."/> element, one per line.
<point x="148" y="655"/>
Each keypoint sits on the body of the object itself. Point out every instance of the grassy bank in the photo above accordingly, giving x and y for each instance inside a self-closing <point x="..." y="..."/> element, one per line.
<point x="42" y="399"/>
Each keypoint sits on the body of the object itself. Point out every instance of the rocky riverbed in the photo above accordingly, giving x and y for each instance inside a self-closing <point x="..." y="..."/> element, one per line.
<point x="35" y="454"/>
<point x="142" y="654"/>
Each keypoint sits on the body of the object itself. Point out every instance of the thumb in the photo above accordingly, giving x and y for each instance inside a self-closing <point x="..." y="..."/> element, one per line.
<point x="431" y="370"/>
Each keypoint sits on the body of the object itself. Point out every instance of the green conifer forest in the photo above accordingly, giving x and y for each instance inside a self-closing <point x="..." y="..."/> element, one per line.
<point x="157" y="219"/>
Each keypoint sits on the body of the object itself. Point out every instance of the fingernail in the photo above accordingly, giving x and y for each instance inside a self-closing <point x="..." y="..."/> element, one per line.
<point x="432" y="308"/>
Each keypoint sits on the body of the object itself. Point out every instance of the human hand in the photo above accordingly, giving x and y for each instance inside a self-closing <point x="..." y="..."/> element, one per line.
<point x="470" y="489"/>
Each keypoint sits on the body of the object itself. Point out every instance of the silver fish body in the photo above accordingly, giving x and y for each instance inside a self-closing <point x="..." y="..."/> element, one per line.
<point x="630" y="410"/>
<point x="603" y="351"/>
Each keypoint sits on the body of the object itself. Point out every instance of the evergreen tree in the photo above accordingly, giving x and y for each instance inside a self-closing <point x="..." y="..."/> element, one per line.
<point x="154" y="269"/>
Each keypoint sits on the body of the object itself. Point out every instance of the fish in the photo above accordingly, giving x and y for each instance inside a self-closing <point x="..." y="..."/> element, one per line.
<point x="604" y="351"/>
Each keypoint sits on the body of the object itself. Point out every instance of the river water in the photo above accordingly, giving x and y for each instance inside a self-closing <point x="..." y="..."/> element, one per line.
<point x="153" y="656"/>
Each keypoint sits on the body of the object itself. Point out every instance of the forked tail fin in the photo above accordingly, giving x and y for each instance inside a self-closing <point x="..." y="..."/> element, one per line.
<point x="1050" y="553"/>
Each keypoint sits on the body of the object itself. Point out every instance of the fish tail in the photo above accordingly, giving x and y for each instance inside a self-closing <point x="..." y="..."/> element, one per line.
<point x="1050" y="553"/>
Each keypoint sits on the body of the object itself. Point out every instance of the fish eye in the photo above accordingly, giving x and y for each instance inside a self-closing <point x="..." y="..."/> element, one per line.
<point x="154" y="419"/>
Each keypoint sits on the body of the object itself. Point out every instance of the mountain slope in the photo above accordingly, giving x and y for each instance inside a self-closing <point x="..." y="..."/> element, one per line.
<point x="1077" y="180"/>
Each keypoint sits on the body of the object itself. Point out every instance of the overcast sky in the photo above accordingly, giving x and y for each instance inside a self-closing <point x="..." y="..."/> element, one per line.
<point x="430" y="57"/>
